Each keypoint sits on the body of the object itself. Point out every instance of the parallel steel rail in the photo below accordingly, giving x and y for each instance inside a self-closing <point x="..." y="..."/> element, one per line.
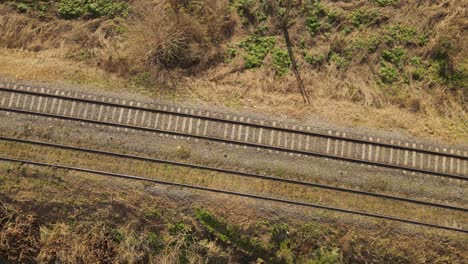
<point x="232" y="172"/>
<point x="247" y="195"/>
<point x="177" y="122"/>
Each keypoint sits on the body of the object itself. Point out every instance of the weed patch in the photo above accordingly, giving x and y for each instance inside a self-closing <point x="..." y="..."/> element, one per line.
<point x="256" y="48"/>
<point x="281" y="62"/>
<point x="364" y="17"/>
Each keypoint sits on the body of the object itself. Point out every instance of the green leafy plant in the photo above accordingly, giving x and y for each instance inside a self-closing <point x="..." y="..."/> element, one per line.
<point x="402" y="35"/>
<point x="445" y="68"/>
<point x="70" y="9"/>
<point x="364" y="17"/>
<point x="318" y="17"/>
<point x="340" y="61"/>
<point x="395" y="56"/>
<point x="22" y="7"/>
<point x="384" y="2"/>
<point x="313" y="24"/>
<point x="419" y="68"/>
<point x="107" y="8"/>
<point x="256" y="48"/>
<point x="244" y="9"/>
<point x="316" y="60"/>
<point x="388" y="74"/>
<point x="281" y="62"/>
<point x="373" y="44"/>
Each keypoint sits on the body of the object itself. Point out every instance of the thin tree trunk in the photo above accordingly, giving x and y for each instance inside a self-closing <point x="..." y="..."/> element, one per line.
<point x="284" y="27"/>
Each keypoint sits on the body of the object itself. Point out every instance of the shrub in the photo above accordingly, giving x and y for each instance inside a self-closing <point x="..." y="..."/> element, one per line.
<point x="318" y="18"/>
<point x="373" y="44"/>
<point x="313" y="24"/>
<point x="403" y="35"/>
<point x="107" y="8"/>
<point x="388" y="74"/>
<point x="364" y="17"/>
<point x="281" y="62"/>
<point x="256" y="48"/>
<point x="70" y="9"/>
<point x="446" y="69"/>
<point x="394" y="56"/>
<point x="22" y="7"/>
<point x="244" y="9"/>
<point x="419" y="68"/>
<point x="314" y="59"/>
<point x="340" y="61"/>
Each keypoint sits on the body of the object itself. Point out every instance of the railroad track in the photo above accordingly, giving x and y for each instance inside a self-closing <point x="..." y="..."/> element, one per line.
<point x="241" y="194"/>
<point x="236" y="130"/>
<point x="233" y="172"/>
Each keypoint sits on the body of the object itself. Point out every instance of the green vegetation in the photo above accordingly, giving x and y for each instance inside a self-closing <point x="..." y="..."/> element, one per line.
<point x="316" y="60"/>
<point x="281" y="62"/>
<point x="394" y="56"/>
<point x="401" y="35"/>
<point x="385" y="2"/>
<point x="318" y="18"/>
<point x="445" y="69"/>
<point x="388" y="73"/>
<point x="256" y="48"/>
<point x="339" y="60"/>
<point x="364" y="17"/>
<point x="72" y="9"/>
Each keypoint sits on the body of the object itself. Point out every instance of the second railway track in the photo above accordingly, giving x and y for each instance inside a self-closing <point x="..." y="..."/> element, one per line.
<point x="233" y="129"/>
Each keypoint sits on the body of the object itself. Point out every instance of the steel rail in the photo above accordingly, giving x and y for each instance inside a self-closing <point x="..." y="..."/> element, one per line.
<point x="224" y="120"/>
<point x="248" y="195"/>
<point x="254" y="145"/>
<point x="234" y="172"/>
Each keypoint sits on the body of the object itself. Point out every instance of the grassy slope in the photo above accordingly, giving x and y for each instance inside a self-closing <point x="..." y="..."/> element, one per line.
<point x="202" y="54"/>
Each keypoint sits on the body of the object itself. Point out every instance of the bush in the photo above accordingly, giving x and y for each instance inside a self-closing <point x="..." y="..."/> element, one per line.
<point x="244" y="9"/>
<point x="419" y="68"/>
<point x="256" y="49"/>
<point x="401" y="35"/>
<point x="281" y="62"/>
<point x="22" y="7"/>
<point x="314" y="59"/>
<point x="373" y="44"/>
<point x="70" y="9"/>
<point x="340" y="61"/>
<point x="364" y="17"/>
<point x="394" y="56"/>
<point x="388" y="74"/>
<point x="318" y="18"/>
<point x="313" y="24"/>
